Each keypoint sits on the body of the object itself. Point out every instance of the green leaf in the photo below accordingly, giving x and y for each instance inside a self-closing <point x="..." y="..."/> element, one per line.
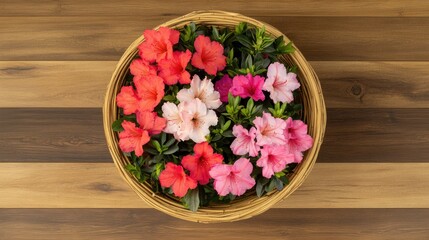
<point x="260" y="184"/>
<point x="250" y="104"/>
<point x="117" y="125"/>
<point x="171" y="150"/>
<point x="156" y="145"/>
<point x="170" y="142"/>
<point x="226" y="125"/>
<point x="240" y="28"/>
<point x="192" y="199"/>
<point x="217" y="137"/>
<point x="163" y="137"/>
<point x="270" y="187"/>
<point x="227" y="134"/>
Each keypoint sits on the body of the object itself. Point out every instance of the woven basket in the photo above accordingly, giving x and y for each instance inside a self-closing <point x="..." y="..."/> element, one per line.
<point x="246" y="206"/>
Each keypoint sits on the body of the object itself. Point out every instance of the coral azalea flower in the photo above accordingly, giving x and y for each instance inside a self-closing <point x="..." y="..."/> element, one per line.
<point x="140" y="68"/>
<point x="151" y="122"/>
<point x="158" y="44"/>
<point x="201" y="162"/>
<point x="234" y="179"/>
<point x="208" y="55"/>
<point x="174" y="69"/>
<point x="150" y="91"/>
<point x="248" y="86"/>
<point x="175" y="177"/>
<point x="132" y="138"/>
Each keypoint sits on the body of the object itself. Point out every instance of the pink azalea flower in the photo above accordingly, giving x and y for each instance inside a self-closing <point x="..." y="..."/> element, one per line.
<point x="244" y="142"/>
<point x="297" y="138"/>
<point x="234" y="179"/>
<point x="150" y="122"/>
<point x="269" y="130"/>
<point x="140" y="68"/>
<point x="202" y="90"/>
<point x="158" y="44"/>
<point x="280" y="83"/>
<point x="175" y="177"/>
<point x="248" y="86"/>
<point x="223" y="86"/>
<point x="208" y="55"/>
<point x="174" y="69"/>
<point x="274" y="159"/>
<point x="201" y="162"/>
<point x="132" y="138"/>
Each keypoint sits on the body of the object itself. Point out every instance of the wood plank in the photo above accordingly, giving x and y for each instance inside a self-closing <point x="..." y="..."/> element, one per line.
<point x="358" y="84"/>
<point x="105" y="38"/>
<point x="300" y="224"/>
<point x="98" y="185"/>
<point x="373" y="8"/>
<point x="76" y="135"/>
<point x="32" y="134"/>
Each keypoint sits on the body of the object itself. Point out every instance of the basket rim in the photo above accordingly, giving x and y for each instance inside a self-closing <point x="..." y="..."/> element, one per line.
<point x="242" y="208"/>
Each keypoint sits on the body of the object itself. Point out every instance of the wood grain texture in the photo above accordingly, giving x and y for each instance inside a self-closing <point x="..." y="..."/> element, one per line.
<point x="64" y="84"/>
<point x="34" y="134"/>
<point x="98" y="185"/>
<point x="106" y="38"/>
<point x="300" y="224"/>
<point x="394" y="8"/>
<point x="76" y="135"/>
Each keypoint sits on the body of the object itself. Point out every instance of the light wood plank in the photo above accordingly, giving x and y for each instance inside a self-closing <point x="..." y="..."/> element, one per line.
<point x="98" y="185"/>
<point x="372" y="8"/>
<point x="319" y="38"/>
<point x="300" y="224"/>
<point x="346" y="84"/>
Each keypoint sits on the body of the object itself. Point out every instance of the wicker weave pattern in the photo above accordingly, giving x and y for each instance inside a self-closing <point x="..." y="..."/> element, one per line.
<point x="244" y="207"/>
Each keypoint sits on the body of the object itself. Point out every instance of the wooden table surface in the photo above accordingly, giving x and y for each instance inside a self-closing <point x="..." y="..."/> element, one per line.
<point x="371" y="180"/>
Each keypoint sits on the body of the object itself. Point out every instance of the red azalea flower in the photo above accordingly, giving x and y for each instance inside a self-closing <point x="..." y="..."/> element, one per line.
<point x="140" y="68"/>
<point x="174" y="176"/>
<point x="201" y="162"/>
<point x="174" y="69"/>
<point x="158" y="44"/>
<point x="151" y="122"/>
<point x="128" y="100"/>
<point x="208" y="55"/>
<point x="132" y="138"/>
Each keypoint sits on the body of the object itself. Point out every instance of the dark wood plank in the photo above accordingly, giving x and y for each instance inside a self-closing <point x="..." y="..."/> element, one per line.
<point x="393" y="8"/>
<point x="319" y="38"/>
<point x="358" y="84"/>
<point x="76" y="135"/>
<point x="51" y="135"/>
<point x="376" y="135"/>
<point x="299" y="224"/>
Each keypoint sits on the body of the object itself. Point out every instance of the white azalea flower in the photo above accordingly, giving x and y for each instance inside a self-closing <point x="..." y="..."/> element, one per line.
<point x="203" y="90"/>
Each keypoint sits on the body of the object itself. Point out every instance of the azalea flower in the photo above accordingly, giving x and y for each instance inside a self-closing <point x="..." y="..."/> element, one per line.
<point x="140" y="68"/>
<point x="175" y="177"/>
<point x="149" y="92"/>
<point x="248" y="86"/>
<point x="280" y="83"/>
<point x="244" y="142"/>
<point x="201" y="162"/>
<point x="150" y="122"/>
<point x="269" y="130"/>
<point x="223" y="86"/>
<point x="208" y="55"/>
<point x="175" y="116"/>
<point x="203" y="90"/>
<point x="297" y="138"/>
<point x="274" y="159"/>
<point x="189" y="120"/>
<point x="234" y="179"/>
<point x="198" y="119"/>
<point x="158" y="44"/>
<point x="132" y="138"/>
<point x="174" y="69"/>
